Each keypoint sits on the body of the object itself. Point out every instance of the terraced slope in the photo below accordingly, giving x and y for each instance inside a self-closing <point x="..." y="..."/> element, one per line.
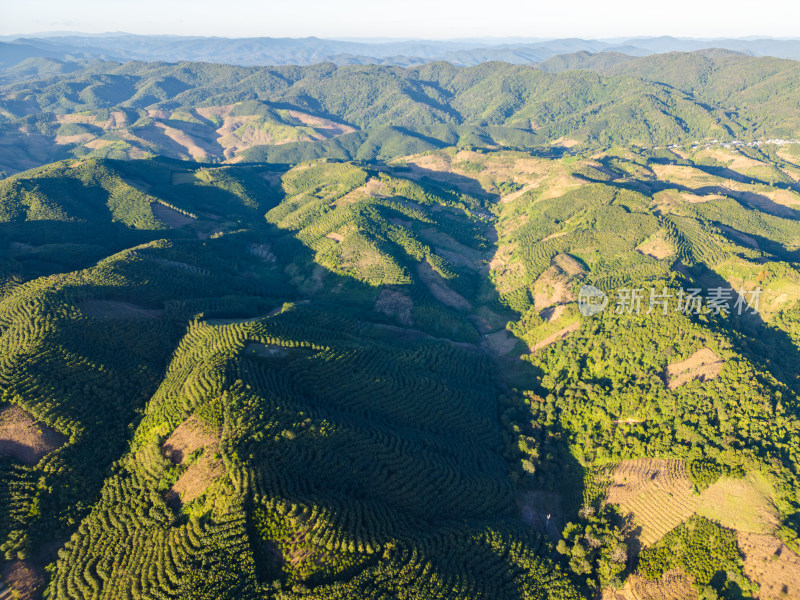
<point x="342" y="379"/>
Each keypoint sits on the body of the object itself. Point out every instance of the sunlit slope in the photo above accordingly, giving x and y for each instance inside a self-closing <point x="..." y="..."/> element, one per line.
<point x="218" y="113"/>
<point x="353" y="465"/>
<point x="346" y="379"/>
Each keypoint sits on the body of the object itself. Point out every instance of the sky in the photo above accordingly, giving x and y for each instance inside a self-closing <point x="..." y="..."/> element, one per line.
<point x="428" y="19"/>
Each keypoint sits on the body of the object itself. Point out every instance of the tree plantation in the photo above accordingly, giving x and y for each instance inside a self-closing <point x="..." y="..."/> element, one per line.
<point x="320" y="332"/>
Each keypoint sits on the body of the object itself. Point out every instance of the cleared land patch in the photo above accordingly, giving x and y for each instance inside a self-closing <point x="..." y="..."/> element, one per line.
<point x="22" y="438"/>
<point x="262" y="251"/>
<point x="744" y="504"/>
<point x="675" y="584"/>
<point x="396" y="305"/>
<point x="656" y="493"/>
<point x="771" y="564"/>
<point x="25" y="580"/>
<point x="188" y="438"/>
<point x="551" y="288"/>
<point x="500" y="342"/>
<point x="739" y="236"/>
<point x="543" y="511"/>
<point x="657" y="246"/>
<point x="559" y="335"/>
<point x="170" y="217"/>
<point x="439" y="289"/>
<point x="703" y="365"/>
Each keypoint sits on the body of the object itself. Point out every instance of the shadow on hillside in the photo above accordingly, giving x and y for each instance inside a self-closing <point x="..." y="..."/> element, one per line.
<point x="750" y="200"/>
<point x="769" y="348"/>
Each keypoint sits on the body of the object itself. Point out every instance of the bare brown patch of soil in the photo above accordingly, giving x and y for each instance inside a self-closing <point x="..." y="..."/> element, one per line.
<point x="170" y="217"/>
<point x="773" y="203"/>
<point x="326" y="126"/>
<point x="25" y="579"/>
<point x="559" y="185"/>
<point x="396" y="305"/>
<point x="98" y="144"/>
<point x="189" y="437"/>
<point x="22" y="438"/>
<point x="657" y="246"/>
<point x="500" y="343"/>
<point x="568" y="264"/>
<point x="674" y="584"/>
<point x="565" y="142"/>
<point x="437" y="286"/>
<point x="553" y="313"/>
<point x="115" y="309"/>
<point x="557" y="336"/>
<point x="553" y="236"/>
<point x="336" y="237"/>
<point x="507" y="274"/>
<point x="462" y="254"/>
<point x="739" y="236"/>
<point x="684" y="175"/>
<point x="771" y="564"/>
<point x="657" y="493"/>
<point x="703" y="365"/>
<point x="73" y="139"/>
<point x="185" y="140"/>
<point x="373" y="188"/>
<point x="551" y="288"/>
<point x="196" y="480"/>
<point x="519" y="193"/>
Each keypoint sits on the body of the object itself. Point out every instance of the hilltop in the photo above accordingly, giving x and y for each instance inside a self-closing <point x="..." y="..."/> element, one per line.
<point x="222" y="113"/>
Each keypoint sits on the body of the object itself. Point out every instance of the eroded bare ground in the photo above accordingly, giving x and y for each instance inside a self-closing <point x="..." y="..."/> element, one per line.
<point x="739" y="236"/>
<point x="190" y="437"/>
<point x="24" y="439"/>
<point x="551" y="288"/>
<point x="771" y="564"/>
<point x="262" y="251"/>
<point x="703" y="365"/>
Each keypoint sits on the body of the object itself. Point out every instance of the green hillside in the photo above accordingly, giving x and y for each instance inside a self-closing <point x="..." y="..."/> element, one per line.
<point x="320" y="332"/>
<point x="215" y="113"/>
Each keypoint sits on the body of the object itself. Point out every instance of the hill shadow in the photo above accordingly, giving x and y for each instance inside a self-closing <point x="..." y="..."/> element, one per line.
<point x="768" y="347"/>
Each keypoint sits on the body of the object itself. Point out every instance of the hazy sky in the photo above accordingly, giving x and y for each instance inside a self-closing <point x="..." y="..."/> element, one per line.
<point x="408" y="18"/>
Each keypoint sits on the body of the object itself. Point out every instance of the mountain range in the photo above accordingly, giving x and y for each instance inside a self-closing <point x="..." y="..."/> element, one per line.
<point x="305" y="51"/>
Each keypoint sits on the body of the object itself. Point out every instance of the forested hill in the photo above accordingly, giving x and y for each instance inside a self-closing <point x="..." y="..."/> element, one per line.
<point x="346" y="380"/>
<point x="214" y="113"/>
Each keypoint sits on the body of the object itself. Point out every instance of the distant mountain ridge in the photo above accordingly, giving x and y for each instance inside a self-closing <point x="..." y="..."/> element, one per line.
<point x="305" y="51"/>
<point x="216" y="112"/>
